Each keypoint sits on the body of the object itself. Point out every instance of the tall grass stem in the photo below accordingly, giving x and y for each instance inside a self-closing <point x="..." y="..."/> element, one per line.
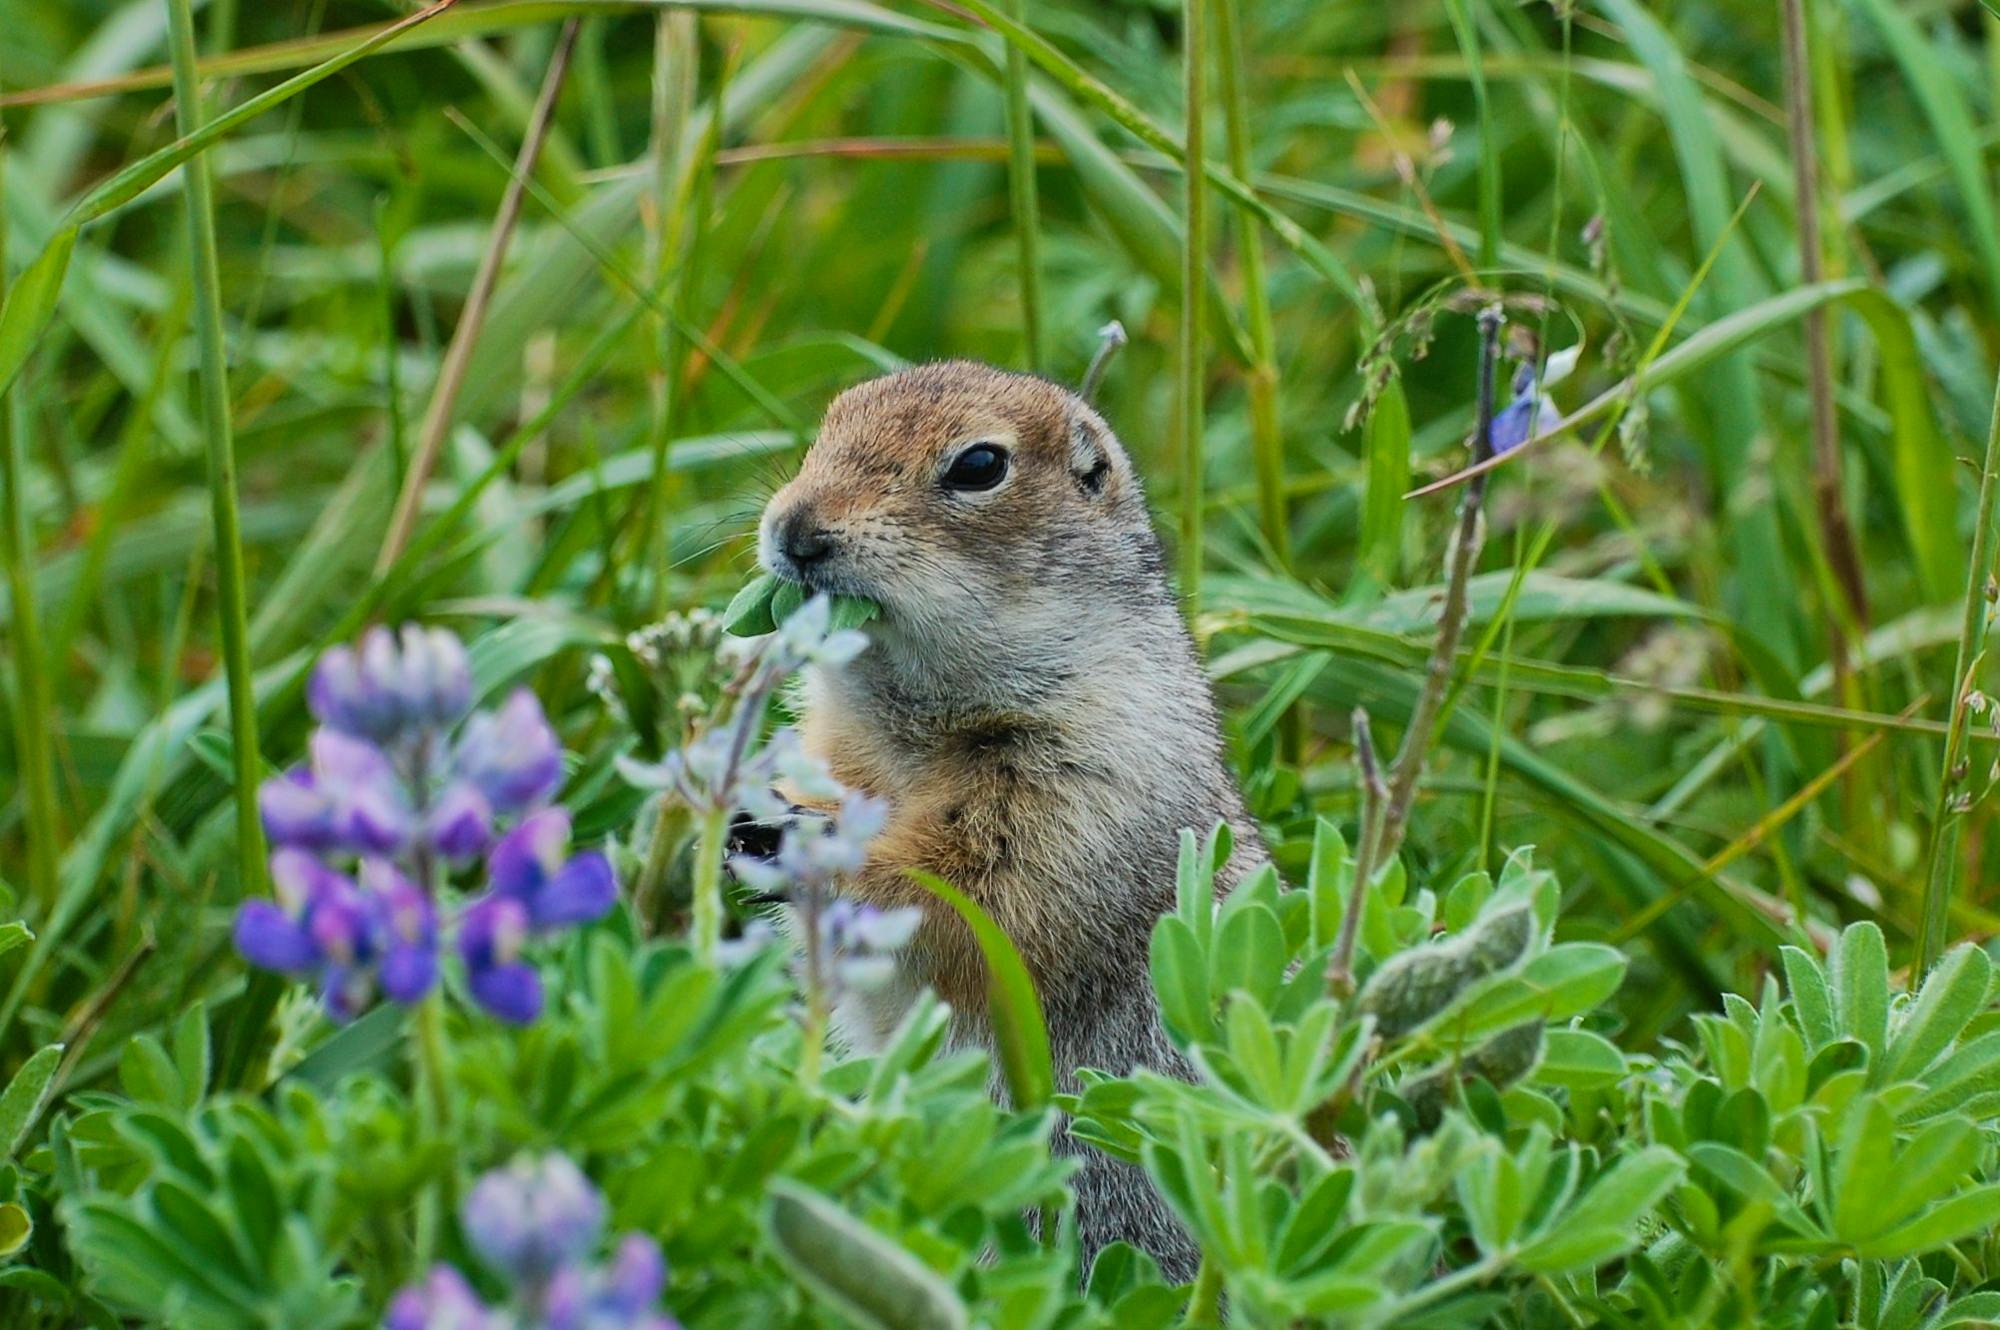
<point x="199" y="191"/>
<point x="1194" y="293"/>
<point x="1021" y="189"/>
<point x="1828" y="492"/>
<point x="676" y="55"/>
<point x="1941" y="876"/>
<point x="1267" y="444"/>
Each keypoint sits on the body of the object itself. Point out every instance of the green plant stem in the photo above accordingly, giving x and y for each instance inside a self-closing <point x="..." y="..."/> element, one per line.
<point x="214" y="375"/>
<point x="1021" y="189"/>
<point x="1942" y="874"/>
<point x="434" y="1106"/>
<point x="1829" y="499"/>
<point x="32" y="757"/>
<point x="675" y="55"/>
<point x="814" y="1035"/>
<point x="1194" y="295"/>
<point x="1267" y="445"/>
<point x="1374" y="803"/>
<point x="708" y="852"/>
<point x="1205" y="1298"/>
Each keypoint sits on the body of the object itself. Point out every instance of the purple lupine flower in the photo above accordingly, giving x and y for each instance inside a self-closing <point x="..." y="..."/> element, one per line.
<point x="406" y="931"/>
<point x="1533" y="410"/>
<point x="491" y="933"/>
<point x="349" y="799"/>
<point x="510" y="756"/>
<point x="532" y="864"/>
<point x="533" y="1217"/>
<point x="459" y="825"/>
<point x="622" y="1296"/>
<point x="535" y="1223"/>
<point x="858" y="942"/>
<point x="805" y="639"/>
<point x="384" y="784"/>
<point x="444" y="1301"/>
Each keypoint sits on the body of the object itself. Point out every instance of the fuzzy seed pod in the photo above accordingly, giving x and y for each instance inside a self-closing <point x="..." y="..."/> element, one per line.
<point x="872" y="1280"/>
<point x="1416" y="985"/>
<point x="1501" y="1061"/>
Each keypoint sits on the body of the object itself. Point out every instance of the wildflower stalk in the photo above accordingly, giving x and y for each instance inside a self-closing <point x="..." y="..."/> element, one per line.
<point x="214" y="375"/>
<point x="1021" y="188"/>
<point x="816" y="980"/>
<point x="1942" y="874"/>
<point x="1460" y="559"/>
<point x="709" y="849"/>
<point x="442" y="408"/>
<point x="434" y="1104"/>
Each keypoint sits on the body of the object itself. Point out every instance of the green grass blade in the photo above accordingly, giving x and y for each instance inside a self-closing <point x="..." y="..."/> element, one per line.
<point x="233" y="606"/>
<point x="1019" y="1033"/>
<point x="1942" y="870"/>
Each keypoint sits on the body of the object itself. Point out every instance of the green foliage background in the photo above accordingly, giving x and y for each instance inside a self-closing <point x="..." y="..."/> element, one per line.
<point x="1664" y="689"/>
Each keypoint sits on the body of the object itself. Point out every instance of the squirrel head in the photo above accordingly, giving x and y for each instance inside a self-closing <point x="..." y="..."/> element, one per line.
<point x="981" y="510"/>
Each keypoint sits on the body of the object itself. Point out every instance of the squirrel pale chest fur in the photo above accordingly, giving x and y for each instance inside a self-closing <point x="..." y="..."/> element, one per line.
<point x="1030" y="705"/>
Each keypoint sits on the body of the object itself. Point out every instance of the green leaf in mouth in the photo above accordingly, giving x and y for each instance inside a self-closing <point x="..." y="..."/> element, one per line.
<point x="767" y="601"/>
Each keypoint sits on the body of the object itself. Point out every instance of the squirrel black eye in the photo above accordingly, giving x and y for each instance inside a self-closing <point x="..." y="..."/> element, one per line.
<point x="980" y="467"/>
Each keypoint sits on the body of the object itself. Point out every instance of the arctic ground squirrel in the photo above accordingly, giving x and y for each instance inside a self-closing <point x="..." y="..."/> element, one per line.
<point x="1030" y="706"/>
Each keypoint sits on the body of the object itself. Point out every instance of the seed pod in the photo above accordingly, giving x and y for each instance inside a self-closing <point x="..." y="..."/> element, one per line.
<point x="871" y="1280"/>
<point x="1501" y="1061"/>
<point x="1416" y="985"/>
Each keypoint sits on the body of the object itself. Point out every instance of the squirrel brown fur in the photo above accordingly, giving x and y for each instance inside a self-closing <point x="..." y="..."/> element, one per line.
<point x="1030" y="705"/>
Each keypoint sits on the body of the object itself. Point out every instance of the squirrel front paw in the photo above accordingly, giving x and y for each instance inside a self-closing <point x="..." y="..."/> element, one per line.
<point x="758" y="838"/>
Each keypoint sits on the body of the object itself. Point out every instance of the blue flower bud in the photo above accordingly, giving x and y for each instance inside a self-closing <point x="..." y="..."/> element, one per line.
<point x="436" y="676"/>
<point x="360" y="692"/>
<point x="532" y="1218"/>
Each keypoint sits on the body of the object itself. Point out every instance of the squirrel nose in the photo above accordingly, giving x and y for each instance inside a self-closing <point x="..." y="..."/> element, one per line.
<point x="804" y="541"/>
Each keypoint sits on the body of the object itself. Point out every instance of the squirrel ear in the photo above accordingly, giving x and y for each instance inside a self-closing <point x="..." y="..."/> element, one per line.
<point x="1096" y="461"/>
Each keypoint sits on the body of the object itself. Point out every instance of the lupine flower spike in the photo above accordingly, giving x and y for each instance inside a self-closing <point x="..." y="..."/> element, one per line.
<point x="390" y="800"/>
<point x="535" y="1224"/>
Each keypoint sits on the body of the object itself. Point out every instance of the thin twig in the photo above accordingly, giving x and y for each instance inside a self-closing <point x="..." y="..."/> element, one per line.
<point x="438" y="414"/>
<point x="1464" y="553"/>
<point x="1827" y="488"/>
